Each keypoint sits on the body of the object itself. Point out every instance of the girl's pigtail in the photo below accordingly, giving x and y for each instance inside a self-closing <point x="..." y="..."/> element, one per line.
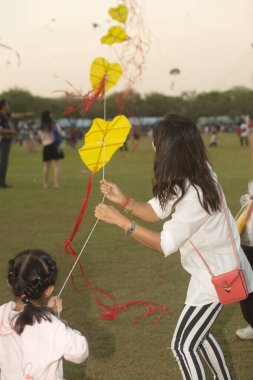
<point x="30" y="273"/>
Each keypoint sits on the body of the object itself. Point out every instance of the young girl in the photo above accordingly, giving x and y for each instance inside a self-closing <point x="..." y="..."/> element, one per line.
<point x="49" y="133"/>
<point x="33" y="340"/>
<point x="186" y="188"/>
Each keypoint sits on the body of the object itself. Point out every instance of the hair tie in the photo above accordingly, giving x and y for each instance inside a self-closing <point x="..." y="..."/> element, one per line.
<point x="24" y="298"/>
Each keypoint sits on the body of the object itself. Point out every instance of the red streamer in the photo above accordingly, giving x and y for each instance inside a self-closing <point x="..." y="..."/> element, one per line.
<point x="87" y="99"/>
<point x="110" y="312"/>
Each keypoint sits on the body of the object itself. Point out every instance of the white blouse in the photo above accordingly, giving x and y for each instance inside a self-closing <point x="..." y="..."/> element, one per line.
<point x="210" y="235"/>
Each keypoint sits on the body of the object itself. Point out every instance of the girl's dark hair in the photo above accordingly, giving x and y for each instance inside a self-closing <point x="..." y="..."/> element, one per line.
<point x="30" y="273"/>
<point x="181" y="160"/>
<point x="47" y="122"/>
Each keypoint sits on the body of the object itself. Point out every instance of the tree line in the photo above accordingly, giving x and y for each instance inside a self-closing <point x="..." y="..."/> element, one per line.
<point x="233" y="102"/>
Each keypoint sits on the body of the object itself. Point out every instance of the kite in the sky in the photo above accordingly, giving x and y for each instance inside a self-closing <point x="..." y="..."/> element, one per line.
<point x="103" y="140"/>
<point x="174" y="71"/>
<point x="115" y="35"/>
<point x="102" y="70"/>
<point x="14" y="51"/>
<point x="103" y="76"/>
<point x="136" y="43"/>
<point x="119" y="13"/>
<point x="48" y="25"/>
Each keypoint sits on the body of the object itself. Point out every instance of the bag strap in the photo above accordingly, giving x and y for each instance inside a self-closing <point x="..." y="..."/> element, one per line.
<point x="201" y="257"/>
<point x="230" y="235"/>
<point x="230" y="232"/>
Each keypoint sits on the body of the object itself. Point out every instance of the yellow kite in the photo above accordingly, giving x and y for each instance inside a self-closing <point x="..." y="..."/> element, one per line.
<point x="119" y="13"/>
<point x="103" y="140"/>
<point x="116" y="34"/>
<point x="101" y="70"/>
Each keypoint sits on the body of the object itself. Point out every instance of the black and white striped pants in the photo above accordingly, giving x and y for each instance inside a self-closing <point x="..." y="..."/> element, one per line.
<point x="192" y="336"/>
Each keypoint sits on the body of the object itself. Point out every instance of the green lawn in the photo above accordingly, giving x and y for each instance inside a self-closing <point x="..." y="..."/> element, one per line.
<point x="33" y="217"/>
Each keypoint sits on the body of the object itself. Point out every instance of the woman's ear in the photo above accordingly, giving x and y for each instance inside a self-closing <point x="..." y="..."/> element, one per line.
<point x="47" y="293"/>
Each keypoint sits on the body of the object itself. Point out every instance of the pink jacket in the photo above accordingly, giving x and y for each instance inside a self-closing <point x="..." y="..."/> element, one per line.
<point x="37" y="353"/>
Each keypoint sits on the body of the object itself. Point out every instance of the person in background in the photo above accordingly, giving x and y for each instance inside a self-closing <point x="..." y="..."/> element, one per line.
<point x="50" y="135"/>
<point x="73" y="136"/>
<point x="6" y="134"/>
<point x="244" y="133"/>
<point x="136" y="137"/>
<point x="250" y="126"/>
<point x="33" y="340"/>
<point x="213" y="141"/>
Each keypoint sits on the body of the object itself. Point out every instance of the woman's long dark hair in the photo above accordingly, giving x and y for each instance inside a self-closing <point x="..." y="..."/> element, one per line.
<point x="47" y="122"/>
<point x="30" y="273"/>
<point x="181" y="160"/>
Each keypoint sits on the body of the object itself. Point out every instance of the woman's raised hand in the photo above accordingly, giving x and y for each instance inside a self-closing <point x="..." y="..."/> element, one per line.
<point x="112" y="192"/>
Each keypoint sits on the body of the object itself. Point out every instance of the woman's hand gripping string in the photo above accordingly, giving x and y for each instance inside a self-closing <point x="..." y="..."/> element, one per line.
<point x="112" y="192"/>
<point x="109" y="214"/>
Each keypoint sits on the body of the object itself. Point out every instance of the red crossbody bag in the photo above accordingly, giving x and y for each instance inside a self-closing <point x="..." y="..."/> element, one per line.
<point x="230" y="286"/>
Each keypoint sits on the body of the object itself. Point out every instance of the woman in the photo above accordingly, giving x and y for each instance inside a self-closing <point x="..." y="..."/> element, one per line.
<point x="186" y="188"/>
<point x="49" y="135"/>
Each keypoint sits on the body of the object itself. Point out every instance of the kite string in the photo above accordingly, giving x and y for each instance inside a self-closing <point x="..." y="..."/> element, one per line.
<point x="77" y="259"/>
<point x="103" y="199"/>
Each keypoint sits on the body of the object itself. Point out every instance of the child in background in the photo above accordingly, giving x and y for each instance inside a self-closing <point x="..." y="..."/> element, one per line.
<point x="33" y="340"/>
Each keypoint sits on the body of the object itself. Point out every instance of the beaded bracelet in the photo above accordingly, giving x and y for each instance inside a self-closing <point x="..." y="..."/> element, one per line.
<point x="133" y="206"/>
<point x="127" y="200"/>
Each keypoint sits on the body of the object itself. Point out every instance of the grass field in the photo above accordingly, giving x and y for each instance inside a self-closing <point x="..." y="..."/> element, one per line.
<point x="33" y="217"/>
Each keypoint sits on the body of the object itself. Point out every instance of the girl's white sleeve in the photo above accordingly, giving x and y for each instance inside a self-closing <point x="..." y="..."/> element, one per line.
<point x="187" y="218"/>
<point x="75" y="348"/>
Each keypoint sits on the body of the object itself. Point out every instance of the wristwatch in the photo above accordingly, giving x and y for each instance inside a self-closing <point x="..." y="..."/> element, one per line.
<point x="131" y="228"/>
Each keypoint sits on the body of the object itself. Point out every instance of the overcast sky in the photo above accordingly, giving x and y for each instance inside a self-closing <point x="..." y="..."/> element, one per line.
<point x="208" y="40"/>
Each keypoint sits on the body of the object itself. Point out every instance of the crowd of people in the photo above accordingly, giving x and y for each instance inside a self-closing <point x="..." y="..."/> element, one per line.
<point x="186" y="189"/>
<point x="49" y="134"/>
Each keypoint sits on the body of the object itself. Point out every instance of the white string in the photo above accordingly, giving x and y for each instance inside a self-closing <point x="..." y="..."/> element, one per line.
<point x="78" y="257"/>
<point x="103" y="199"/>
<point x="105" y="99"/>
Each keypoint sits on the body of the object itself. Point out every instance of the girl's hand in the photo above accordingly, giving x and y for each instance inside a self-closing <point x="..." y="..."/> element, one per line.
<point x="112" y="192"/>
<point x="55" y="303"/>
<point x="109" y="214"/>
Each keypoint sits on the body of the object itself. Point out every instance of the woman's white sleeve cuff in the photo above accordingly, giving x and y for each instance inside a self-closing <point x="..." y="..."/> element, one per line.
<point x="167" y="244"/>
